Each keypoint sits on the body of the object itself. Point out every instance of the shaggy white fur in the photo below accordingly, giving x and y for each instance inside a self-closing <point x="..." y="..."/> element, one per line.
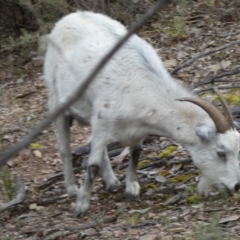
<point x="132" y="97"/>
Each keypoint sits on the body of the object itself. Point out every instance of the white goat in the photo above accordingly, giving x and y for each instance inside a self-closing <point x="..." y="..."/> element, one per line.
<point x="132" y="97"/>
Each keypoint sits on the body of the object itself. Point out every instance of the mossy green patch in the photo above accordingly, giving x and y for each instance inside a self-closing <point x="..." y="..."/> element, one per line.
<point x="193" y="199"/>
<point x="144" y="162"/>
<point x="179" y="178"/>
<point x="190" y="189"/>
<point x="148" y="186"/>
<point x="35" y="145"/>
<point x="232" y="99"/>
<point x="167" y="151"/>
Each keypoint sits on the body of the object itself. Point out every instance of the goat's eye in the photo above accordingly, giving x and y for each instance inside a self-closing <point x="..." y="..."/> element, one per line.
<point x="221" y="154"/>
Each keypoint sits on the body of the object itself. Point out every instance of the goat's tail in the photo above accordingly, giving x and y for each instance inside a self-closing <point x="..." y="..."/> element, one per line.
<point x="42" y="45"/>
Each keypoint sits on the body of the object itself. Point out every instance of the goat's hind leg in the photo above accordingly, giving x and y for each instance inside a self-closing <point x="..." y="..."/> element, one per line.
<point x="111" y="182"/>
<point x="94" y="165"/>
<point x="132" y="186"/>
<point x="62" y="128"/>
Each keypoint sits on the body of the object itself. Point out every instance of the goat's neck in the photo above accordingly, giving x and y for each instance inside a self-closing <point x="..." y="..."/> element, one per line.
<point x="179" y="122"/>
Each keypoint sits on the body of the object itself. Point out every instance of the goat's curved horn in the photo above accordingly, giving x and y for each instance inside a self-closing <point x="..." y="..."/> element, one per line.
<point x="221" y="122"/>
<point x="226" y="110"/>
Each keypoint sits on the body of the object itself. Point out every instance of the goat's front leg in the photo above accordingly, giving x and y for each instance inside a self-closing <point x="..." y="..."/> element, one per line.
<point x="94" y="165"/>
<point x="62" y="129"/>
<point x="132" y="185"/>
<point x="109" y="178"/>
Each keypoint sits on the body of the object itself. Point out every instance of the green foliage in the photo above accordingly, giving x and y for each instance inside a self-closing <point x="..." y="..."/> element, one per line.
<point x="51" y="10"/>
<point x="165" y="221"/>
<point x="176" y="28"/>
<point x="190" y="188"/>
<point x="133" y="219"/>
<point x="46" y="12"/>
<point x="6" y="187"/>
<point x="7" y="238"/>
<point x="211" y="231"/>
<point x="26" y="42"/>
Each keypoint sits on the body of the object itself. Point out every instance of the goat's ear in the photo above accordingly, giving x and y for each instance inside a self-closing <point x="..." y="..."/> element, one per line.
<point x="205" y="132"/>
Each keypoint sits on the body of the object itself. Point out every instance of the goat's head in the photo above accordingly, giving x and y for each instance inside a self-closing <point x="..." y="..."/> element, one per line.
<point x="215" y="151"/>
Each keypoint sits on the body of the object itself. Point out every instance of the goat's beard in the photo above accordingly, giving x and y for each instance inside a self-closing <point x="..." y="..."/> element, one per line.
<point x="205" y="185"/>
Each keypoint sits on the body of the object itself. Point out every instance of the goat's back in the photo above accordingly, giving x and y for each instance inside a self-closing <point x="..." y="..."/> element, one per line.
<point x="134" y="77"/>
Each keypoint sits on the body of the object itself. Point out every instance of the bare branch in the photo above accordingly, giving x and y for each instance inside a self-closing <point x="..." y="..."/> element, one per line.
<point x="94" y="223"/>
<point x="81" y="89"/>
<point x="222" y="35"/>
<point x="192" y="60"/>
<point x="220" y="87"/>
<point x="77" y="4"/>
<point x="212" y="78"/>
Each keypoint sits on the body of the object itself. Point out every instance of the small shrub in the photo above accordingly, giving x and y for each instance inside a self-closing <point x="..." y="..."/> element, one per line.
<point x="6" y="187"/>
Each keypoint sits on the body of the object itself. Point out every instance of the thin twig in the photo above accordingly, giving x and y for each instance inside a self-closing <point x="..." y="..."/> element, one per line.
<point x="230" y="80"/>
<point x="77" y="4"/>
<point x="212" y="78"/>
<point x="221" y="35"/>
<point x="220" y="87"/>
<point x="192" y="60"/>
<point x="81" y="89"/>
<point x="93" y="224"/>
<point x="51" y="179"/>
<point x="11" y="130"/>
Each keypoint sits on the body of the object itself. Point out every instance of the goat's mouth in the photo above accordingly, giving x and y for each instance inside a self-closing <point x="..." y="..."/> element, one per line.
<point x="223" y="188"/>
<point x="229" y="192"/>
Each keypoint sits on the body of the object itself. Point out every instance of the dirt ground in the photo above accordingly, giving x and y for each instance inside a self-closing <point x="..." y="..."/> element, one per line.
<point x="169" y="206"/>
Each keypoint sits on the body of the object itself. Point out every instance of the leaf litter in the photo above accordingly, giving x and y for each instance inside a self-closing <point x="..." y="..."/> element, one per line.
<point x="168" y="207"/>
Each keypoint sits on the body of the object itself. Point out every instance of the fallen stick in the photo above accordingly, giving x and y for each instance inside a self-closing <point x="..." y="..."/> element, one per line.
<point x="212" y="78"/>
<point x="220" y="87"/>
<point x="221" y="35"/>
<point x="192" y="60"/>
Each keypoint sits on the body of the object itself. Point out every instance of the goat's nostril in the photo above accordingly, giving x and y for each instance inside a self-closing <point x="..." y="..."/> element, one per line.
<point x="237" y="187"/>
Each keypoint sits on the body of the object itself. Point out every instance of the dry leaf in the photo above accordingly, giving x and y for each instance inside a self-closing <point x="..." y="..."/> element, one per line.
<point x="160" y="178"/>
<point x="132" y="231"/>
<point x="170" y="63"/>
<point x="142" y="211"/>
<point x="33" y="206"/>
<point x="214" y="68"/>
<point x="225" y="64"/>
<point x="37" y="153"/>
<point x="229" y="219"/>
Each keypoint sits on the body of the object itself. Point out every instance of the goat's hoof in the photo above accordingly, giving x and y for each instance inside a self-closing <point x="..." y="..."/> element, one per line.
<point x="72" y="190"/>
<point x="82" y="204"/>
<point x="80" y="209"/>
<point x="131" y="197"/>
<point x="132" y="189"/>
<point x="77" y="214"/>
<point x="114" y="187"/>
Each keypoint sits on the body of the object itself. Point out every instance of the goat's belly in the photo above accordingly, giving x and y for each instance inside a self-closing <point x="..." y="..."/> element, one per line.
<point x="81" y="111"/>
